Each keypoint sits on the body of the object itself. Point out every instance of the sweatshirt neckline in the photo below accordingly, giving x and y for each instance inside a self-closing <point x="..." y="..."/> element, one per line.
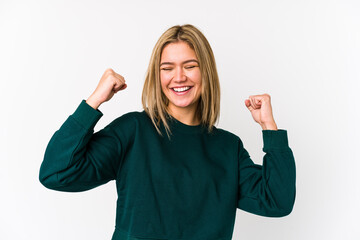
<point x="179" y="127"/>
<point x="182" y="127"/>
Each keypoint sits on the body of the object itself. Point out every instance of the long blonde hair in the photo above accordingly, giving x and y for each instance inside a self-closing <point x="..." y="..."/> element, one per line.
<point x="154" y="100"/>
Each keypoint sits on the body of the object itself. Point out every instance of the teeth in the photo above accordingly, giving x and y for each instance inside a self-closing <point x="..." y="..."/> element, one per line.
<point x="181" y="89"/>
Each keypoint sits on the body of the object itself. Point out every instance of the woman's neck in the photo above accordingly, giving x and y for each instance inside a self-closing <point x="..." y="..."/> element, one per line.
<point x="186" y="115"/>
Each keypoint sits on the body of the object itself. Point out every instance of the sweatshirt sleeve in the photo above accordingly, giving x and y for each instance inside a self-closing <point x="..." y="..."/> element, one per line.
<point x="268" y="190"/>
<point x="76" y="159"/>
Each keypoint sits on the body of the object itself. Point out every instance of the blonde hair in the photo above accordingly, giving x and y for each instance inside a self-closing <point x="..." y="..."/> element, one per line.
<point x="154" y="100"/>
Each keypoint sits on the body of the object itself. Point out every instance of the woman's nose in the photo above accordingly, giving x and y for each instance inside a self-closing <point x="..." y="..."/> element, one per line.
<point x="179" y="75"/>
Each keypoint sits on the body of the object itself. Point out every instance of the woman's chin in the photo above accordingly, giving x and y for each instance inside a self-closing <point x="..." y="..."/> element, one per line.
<point x="182" y="104"/>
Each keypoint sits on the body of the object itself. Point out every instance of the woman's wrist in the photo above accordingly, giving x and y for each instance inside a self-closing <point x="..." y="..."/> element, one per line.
<point x="93" y="103"/>
<point x="269" y="126"/>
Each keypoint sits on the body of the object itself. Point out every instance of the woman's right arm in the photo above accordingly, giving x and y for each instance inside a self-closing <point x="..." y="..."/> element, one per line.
<point x="75" y="158"/>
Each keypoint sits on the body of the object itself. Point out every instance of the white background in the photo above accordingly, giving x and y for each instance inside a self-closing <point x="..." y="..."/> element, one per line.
<point x="305" y="54"/>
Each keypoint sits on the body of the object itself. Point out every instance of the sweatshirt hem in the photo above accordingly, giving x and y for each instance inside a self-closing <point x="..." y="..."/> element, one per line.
<point x="120" y="234"/>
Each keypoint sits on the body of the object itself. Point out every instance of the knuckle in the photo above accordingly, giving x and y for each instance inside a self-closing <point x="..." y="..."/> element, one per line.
<point x="266" y="96"/>
<point x="109" y="70"/>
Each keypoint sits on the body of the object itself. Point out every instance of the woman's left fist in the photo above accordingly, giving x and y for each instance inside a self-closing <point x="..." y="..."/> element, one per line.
<point x="261" y="111"/>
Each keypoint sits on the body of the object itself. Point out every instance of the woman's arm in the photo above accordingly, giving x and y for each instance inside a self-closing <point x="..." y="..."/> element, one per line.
<point x="267" y="190"/>
<point x="75" y="158"/>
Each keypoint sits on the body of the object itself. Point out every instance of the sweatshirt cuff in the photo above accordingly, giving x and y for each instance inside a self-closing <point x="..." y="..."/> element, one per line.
<point x="275" y="140"/>
<point x="87" y="116"/>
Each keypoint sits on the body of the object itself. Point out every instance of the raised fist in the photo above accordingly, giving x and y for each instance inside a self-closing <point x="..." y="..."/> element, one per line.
<point x="110" y="83"/>
<point x="261" y="111"/>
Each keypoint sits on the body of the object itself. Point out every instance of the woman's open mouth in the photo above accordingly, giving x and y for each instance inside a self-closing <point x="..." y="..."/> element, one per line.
<point x="181" y="91"/>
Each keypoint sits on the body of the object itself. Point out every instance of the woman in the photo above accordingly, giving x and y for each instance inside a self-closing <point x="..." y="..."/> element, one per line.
<point x="188" y="183"/>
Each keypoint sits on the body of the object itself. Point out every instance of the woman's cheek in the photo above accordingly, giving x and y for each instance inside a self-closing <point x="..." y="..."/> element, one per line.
<point x="162" y="79"/>
<point x="165" y="77"/>
<point x="196" y="76"/>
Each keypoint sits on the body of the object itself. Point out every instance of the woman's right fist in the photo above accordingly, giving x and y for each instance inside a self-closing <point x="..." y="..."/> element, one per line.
<point x="110" y="83"/>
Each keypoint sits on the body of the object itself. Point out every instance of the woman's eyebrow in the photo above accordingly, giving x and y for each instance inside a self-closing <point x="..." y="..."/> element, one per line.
<point x="187" y="61"/>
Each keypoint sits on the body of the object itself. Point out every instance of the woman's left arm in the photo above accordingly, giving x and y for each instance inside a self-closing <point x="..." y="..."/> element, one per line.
<point x="267" y="190"/>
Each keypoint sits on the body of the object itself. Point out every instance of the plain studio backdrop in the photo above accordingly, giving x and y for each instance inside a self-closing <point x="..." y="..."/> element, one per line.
<point x="305" y="54"/>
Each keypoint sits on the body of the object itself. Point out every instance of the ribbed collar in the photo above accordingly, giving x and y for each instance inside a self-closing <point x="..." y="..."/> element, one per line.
<point x="179" y="127"/>
<point x="176" y="125"/>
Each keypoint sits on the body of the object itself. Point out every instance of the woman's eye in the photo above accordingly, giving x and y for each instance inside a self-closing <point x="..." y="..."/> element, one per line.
<point x="166" y="69"/>
<point x="190" y="67"/>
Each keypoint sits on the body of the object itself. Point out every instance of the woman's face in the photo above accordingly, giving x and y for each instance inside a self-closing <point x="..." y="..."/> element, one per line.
<point x="180" y="76"/>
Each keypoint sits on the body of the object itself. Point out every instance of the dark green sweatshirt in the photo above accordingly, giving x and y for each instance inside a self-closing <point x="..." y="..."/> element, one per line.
<point x="185" y="188"/>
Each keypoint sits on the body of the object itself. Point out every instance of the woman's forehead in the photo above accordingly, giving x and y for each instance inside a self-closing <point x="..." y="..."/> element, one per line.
<point x="177" y="52"/>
